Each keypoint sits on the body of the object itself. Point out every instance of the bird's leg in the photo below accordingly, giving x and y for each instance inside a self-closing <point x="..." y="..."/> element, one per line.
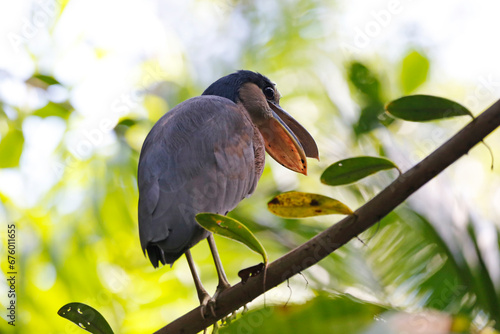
<point x="203" y="295"/>
<point x="223" y="282"/>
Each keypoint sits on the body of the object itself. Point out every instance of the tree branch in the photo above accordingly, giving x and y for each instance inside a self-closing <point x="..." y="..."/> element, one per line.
<point x="339" y="234"/>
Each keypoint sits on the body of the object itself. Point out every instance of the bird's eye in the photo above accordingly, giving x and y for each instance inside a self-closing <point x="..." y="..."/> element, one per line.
<point x="269" y="93"/>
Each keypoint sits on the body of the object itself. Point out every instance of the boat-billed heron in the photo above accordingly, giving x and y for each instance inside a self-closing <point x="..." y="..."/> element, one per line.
<point x="206" y="155"/>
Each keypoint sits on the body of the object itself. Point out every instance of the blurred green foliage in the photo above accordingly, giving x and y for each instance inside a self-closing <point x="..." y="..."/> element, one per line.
<point x="321" y="314"/>
<point x="414" y="71"/>
<point x="368" y="92"/>
<point x="11" y="148"/>
<point x="77" y="221"/>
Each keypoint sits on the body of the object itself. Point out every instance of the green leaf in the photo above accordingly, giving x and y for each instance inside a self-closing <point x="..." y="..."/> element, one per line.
<point x="414" y="71"/>
<point x="484" y="286"/>
<point x="42" y="81"/>
<point x="49" y="80"/>
<point x="11" y="148"/>
<point x="422" y="108"/>
<point x="365" y="81"/>
<point x="232" y="229"/>
<point x="128" y="122"/>
<point x="295" y="204"/>
<point x="124" y="125"/>
<point x="354" y="169"/>
<point x="62" y="110"/>
<point x="85" y="317"/>
<point x="370" y="119"/>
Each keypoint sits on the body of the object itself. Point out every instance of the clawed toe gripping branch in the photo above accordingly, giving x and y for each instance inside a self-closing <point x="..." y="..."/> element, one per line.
<point x="339" y="234"/>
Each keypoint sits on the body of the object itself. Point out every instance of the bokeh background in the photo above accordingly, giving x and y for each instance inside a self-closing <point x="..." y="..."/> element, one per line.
<point x="82" y="83"/>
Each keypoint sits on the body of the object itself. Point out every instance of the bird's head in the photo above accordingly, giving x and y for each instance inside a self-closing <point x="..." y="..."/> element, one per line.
<point x="286" y="140"/>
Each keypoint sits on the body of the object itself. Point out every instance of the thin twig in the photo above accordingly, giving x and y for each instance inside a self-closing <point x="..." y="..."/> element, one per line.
<point x="305" y="279"/>
<point x="289" y="288"/>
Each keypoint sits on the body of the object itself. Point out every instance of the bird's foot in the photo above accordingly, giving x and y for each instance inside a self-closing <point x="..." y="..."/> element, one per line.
<point x="212" y="302"/>
<point x="204" y="303"/>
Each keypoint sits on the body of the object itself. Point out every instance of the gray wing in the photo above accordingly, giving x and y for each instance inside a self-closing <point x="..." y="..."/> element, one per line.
<point x="204" y="155"/>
